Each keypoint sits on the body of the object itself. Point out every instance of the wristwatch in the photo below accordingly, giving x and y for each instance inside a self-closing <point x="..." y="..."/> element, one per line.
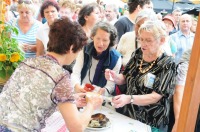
<point x="132" y="99"/>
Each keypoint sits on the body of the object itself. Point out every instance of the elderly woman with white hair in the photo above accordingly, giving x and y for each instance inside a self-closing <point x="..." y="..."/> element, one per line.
<point x="128" y="44"/>
<point x="148" y="76"/>
<point x="27" y="27"/>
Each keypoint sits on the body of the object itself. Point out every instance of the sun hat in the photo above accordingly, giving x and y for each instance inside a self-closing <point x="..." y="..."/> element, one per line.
<point x="169" y="17"/>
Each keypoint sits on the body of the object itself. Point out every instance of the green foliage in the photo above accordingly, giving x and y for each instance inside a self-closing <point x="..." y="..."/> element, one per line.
<point x="10" y="53"/>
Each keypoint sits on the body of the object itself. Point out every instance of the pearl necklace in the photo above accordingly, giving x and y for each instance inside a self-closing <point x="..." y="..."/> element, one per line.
<point x="147" y="69"/>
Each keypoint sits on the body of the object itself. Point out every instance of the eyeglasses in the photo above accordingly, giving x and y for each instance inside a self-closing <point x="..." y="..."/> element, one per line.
<point x="148" y="41"/>
<point x="25" y="1"/>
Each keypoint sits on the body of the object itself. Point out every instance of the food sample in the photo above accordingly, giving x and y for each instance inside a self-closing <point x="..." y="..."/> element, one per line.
<point x="98" y="121"/>
<point x="88" y="87"/>
<point x="90" y="95"/>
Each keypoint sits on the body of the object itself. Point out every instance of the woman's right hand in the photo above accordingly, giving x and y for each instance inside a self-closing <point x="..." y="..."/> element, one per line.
<point x="120" y="100"/>
<point x="110" y="75"/>
<point x="94" y="99"/>
<point x="79" y="89"/>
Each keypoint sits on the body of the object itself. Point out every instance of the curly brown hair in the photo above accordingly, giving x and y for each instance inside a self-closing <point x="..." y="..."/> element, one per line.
<point x="63" y="34"/>
<point x="46" y="4"/>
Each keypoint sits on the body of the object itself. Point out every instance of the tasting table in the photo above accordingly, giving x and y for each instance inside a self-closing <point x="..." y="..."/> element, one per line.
<point x="119" y="123"/>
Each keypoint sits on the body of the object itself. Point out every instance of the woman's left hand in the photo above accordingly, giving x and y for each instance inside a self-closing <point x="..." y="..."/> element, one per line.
<point x="26" y="47"/>
<point x="120" y="100"/>
<point x="80" y="99"/>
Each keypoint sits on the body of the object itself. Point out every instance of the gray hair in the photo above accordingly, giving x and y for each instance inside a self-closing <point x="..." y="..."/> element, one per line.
<point x="177" y="10"/>
<point x="105" y="26"/>
<point x="113" y="6"/>
<point x="156" y="27"/>
<point x="146" y="13"/>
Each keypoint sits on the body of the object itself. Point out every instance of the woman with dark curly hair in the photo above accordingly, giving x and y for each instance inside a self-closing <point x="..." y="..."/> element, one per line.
<point x="49" y="10"/>
<point x="27" y="103"/>
<point x="88" y="16"/>
<point x="96" y="57"/>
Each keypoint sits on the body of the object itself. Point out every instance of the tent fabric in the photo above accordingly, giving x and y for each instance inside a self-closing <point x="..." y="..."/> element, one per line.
<point x="168" y="5"/>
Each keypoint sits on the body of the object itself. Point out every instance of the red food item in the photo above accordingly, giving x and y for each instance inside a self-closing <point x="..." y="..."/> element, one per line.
<point x="88" y="87"/>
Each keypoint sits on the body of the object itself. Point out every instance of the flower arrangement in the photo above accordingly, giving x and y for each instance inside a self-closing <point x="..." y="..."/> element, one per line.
<point x="10" y="53"/>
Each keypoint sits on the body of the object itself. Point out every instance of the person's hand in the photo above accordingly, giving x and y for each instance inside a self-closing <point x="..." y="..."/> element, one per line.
<point x="110" y="75"/>
<point x="98" y="90"/>
<point x="94" y="99"/>
<point x="80" y="99"/>
<point x="120" y="100"/>
<point x="79" y="89"/>
<point x="26" y="47"/>
<point x="101" y="91"/>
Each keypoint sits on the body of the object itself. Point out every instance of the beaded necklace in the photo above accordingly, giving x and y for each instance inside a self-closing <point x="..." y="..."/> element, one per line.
<point x="147" y="69"/>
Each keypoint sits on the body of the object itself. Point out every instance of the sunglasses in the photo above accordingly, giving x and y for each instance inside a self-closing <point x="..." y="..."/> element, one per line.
<point x="25" y="1"/>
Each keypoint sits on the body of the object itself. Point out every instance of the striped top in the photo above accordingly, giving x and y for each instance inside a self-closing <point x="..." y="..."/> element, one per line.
<point x="27" y="38"/>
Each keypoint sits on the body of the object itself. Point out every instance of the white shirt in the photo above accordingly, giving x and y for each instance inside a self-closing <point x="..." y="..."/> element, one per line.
<point x="126" y="46"/>
<point x="43" y="34"/>
<point x="76" y="74"/>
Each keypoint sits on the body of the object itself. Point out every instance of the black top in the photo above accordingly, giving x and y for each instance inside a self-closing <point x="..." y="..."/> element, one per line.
<point x="123" y="25"/>
<point x="164" y="69"/>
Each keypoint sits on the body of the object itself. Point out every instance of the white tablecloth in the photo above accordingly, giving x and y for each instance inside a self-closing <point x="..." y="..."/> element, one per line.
<point x="119" y="123"/>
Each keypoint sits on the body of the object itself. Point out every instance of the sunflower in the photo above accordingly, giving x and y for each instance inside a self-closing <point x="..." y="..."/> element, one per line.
<point x="15" y="57"/>
<point x="3" y="57"/>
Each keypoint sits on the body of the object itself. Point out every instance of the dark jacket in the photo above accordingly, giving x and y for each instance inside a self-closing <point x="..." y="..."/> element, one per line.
<point x="110" y="62"/>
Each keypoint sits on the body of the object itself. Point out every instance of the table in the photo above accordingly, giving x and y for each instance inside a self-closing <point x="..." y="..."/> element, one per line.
<point x="119" y="123"/>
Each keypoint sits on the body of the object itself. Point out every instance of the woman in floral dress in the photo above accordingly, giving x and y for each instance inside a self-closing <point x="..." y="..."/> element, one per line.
<point x="40" y="84"/>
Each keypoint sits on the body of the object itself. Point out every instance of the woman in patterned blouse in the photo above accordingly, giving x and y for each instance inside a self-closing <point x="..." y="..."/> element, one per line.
<point x="148" y="75"/>
<point x="26" y="103"/>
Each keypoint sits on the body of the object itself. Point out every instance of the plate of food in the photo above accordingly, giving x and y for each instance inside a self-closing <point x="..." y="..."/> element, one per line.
<point x="99" y="122"/>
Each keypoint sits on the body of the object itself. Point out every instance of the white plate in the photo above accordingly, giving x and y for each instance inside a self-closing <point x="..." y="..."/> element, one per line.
<point x="99" y="129"/>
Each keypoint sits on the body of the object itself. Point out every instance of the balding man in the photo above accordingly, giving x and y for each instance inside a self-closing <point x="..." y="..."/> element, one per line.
<point x="184" y="38"/>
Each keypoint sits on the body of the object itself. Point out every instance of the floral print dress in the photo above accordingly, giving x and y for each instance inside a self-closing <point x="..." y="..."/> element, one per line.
<point x="32" y="93"/>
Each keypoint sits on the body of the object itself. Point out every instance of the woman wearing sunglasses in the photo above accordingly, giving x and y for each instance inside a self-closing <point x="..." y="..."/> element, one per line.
<point x="26" y="104"/>
<point x="27" y="27"/>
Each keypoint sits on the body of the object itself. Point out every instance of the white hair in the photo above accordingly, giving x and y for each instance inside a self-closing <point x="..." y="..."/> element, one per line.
<point x="146" y="13"/>
<point x="156" y="27"/>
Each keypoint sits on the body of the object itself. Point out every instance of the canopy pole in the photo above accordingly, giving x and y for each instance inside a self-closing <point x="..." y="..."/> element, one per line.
<point x="191" y="98"/>
<point x="172" y="6"/>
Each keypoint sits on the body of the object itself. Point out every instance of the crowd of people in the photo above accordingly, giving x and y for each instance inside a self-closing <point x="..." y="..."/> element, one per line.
<point x="139" y="58"/>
